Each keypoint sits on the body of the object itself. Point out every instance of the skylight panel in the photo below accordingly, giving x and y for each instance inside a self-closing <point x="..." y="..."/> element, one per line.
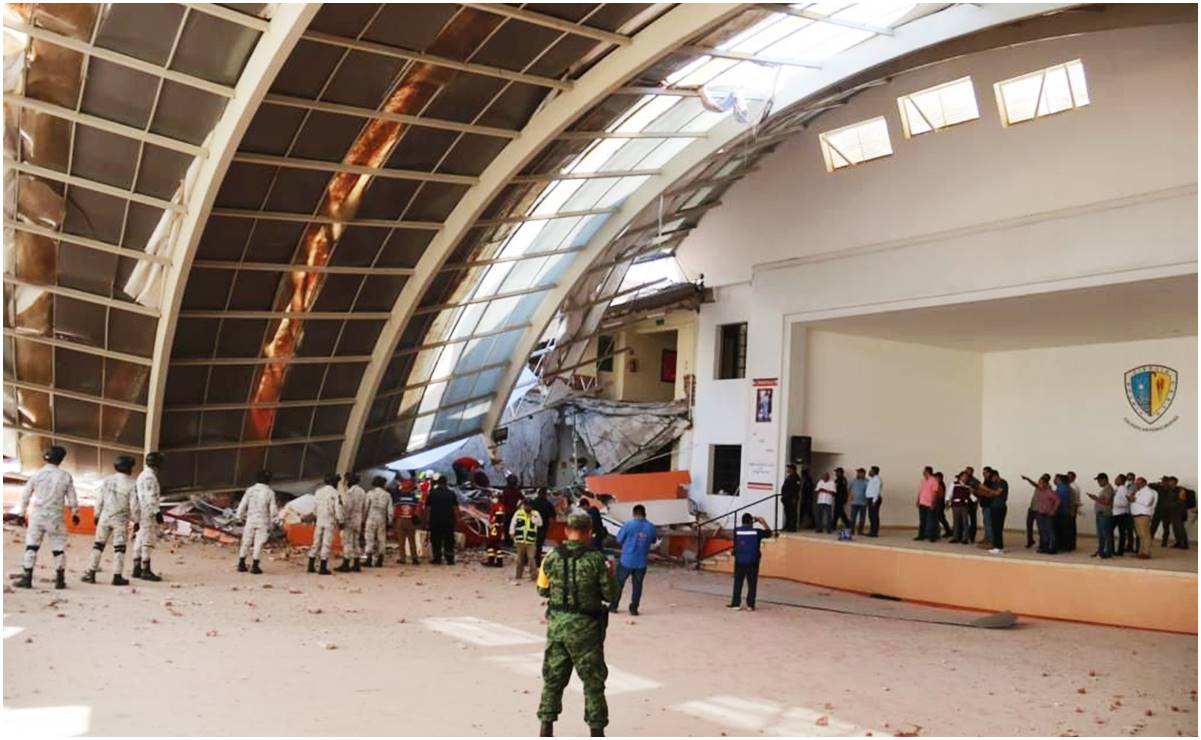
<point x="644" y="111"/>
<point x="937" y="107"/>
<point x="857" y="143"/>
<point x="1056" y="89"/>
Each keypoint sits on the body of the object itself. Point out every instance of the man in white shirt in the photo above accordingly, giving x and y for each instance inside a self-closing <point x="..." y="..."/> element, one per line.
<point x="1142" y="506"/>
<point x="825" y="503"/>
<point x="875" y="495"/>
<point x="1122" y="524"/>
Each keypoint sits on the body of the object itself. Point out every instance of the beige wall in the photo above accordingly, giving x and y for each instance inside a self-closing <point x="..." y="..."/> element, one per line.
<point x="892" y="404"/>
<point x="1059" y="409"/>
<point x="639" y="379"/>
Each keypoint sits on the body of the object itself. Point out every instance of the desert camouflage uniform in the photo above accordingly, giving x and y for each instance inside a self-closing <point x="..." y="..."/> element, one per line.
<point x="258" y="510"/>
<point x="148" y="510"/>
<point x="47" y="492"/>
<point x="329" y="515"/>
<point x="116" y="505"/>
<point x="354" y="505"/>
<point x="379" y="516"/>
<point x="576" y="580"/>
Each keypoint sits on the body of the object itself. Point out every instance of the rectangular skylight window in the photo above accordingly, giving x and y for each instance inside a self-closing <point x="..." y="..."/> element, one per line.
<point x="938" y="107"/>
<point x="857" y="143"/>
<point x="1042" y="93"/>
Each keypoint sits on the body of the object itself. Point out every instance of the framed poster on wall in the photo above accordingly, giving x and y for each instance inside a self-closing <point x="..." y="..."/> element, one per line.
<point x="667" y="366"/>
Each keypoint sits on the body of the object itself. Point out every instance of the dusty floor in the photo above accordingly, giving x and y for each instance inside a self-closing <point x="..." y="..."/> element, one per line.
<point x="455" y="651"/>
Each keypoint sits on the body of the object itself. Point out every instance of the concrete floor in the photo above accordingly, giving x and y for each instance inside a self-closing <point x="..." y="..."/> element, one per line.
<point x="455" y="651"/>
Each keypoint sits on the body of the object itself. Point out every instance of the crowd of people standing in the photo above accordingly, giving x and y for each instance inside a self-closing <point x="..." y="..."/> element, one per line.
<point x="1127" y="513"/>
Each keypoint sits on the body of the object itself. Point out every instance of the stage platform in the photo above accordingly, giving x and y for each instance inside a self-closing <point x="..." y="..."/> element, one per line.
<point x="1159" y="594"/>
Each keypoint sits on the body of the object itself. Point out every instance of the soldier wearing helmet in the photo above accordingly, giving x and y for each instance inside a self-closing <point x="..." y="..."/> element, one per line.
<point x="47" y="492"/>
<point x="116" y="506"/>
<point x="150" y="516"/>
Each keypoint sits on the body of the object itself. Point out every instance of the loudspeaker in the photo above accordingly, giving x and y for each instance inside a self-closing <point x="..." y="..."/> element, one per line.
<point x="799" y="450"/>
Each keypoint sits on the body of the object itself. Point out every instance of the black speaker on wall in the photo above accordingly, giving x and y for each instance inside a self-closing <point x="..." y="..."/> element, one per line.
<point x="799" y="450"/>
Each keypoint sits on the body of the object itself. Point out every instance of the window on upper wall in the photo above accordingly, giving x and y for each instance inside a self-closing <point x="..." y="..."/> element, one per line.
<point x="726" y="471"/>
<point x="857" y="143"/>
<point x="731" y="351"/>
<point x="604" y="350"/>
<point x="1043" y="93"/>
<point x="937" y="107"/>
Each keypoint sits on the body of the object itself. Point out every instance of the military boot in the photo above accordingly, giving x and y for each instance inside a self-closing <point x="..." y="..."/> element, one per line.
<point x="344" y="567"/>
<point x="379" y="561"/>
<point x="598" y="732"/>
<point x="26" y="579"/>
<point x="88" y="576"/>
<point x="241" y="565"/>
<point x="324" y="568"/>
<point x="60" y="579"/>
<point x="149" y="575"/>
<point x="119" y="580"/>
<point x="357" y="567"/>
<point x="312" y="565"/>
<point x="137" y="569"/>
<point x="547" y="729"/>
<point x="254" y="568"/>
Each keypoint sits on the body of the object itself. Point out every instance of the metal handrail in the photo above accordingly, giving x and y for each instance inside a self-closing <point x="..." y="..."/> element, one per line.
<point x="699" y="525"/>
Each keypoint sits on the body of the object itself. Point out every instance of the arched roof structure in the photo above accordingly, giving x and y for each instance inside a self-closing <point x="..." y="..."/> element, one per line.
<point x="319" y="237"/>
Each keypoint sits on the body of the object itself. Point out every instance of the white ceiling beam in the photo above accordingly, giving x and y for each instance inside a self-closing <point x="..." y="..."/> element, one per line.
<point x="681" y="92"/>
<point x="269" y="55"/>
<point x="314" y="315"/>
<point x="675" y="27"/>
<point x="353" y="169"/>
<point x="295" y="360"/>
<point x="304" y="218"/>
<point x="74" y="395"/>
<point x="104" y="124"/>
<point x="483" y="299"/>
<point x="238" y="406"/>
<point x="595" y="135"/>
<point x="955" y="21"/>
<point x="396" y="52"/>
<point x="546" y="21"/>
<point x="83" y="295"/>
<point x="83" y="241"/>
<point x="77" y="439"/>
<point x="598" y="175"/>
<point x="460" y="340"/>
<point x="740" y="56"/>
<point x="380" y="115"/>
<point x="96" y="187"/>
<point x="324" y="269"/>
<point x="116" y="57"/>
<point x="443" y="379"/>
<point x="544" y="216"/>
<point x="276" y="442"/>
<point x="452" y="266"/>
<point x="410" y="416"/>
<point x="76" y="347"/>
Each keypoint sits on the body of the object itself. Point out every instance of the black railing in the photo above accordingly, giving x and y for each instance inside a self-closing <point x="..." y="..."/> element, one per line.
<point x="699" y="525"/>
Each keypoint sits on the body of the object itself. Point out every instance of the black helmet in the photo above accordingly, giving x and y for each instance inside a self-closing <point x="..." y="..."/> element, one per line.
<point x="352" y="478"/>
<point x="54" y="454"/>
<point x="263" y="476"/>
<point x="124" y="464"/>
<point x="331" y="479"/>
<point x="154" y="459"/>
<point x="379" y="481"/>
<point x="511" y="479"/>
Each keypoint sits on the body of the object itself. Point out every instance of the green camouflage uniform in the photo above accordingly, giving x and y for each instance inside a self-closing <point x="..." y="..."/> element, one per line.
<point x="575" y="629"/>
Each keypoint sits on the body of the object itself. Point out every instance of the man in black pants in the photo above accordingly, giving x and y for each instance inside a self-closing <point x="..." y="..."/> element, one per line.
<point x="808" y="517"/>
<point x="875" y="496"/>
<point x="746" y="559"/>
<point x="996" y="489"/>
<point x="790" y="494"/>
<point x="546" y="510"/>
<point x="840" y="499"/>
<point x="442" y="512"/>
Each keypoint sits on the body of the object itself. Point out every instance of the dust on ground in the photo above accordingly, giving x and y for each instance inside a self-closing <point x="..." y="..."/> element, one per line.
<point x="436" y="650"/>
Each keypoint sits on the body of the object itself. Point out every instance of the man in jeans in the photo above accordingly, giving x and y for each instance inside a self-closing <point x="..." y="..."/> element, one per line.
<point x="1103" y="508"/>
<point x="635" y="538"/>
<point x="859" y="500"/>
<point x="996" y="490"/>
<point x="746" y="559"/>
<point x="927" y="520"/>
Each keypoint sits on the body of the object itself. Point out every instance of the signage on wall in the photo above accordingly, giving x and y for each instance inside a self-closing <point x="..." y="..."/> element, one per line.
<point x="764" y="398"/>
<point x="1150" y="389"/>
<point x="761" y="452"/>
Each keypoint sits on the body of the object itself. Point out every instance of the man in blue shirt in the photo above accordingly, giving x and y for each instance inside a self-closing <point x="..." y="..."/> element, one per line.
<point x="746" y="559"/>
<point x="636" y="538"/>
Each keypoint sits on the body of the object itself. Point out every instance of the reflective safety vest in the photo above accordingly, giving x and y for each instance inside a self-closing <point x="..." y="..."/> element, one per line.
<point x="524" y="530"/>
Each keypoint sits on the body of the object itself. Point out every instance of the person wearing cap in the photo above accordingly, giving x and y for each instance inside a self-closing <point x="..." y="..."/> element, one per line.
<point x="48" y="492"/>
<point x="578" y="585"/>
<point x="747" y="553"/>
<point x="329" y="515"/>
<point x="495" y="535"/>
<point x="379" y="515"/>
<point x="442" y="511"/>
<point x="116" y="505"/>
<point x="149" y="517"/>
<point x="354" y="507"/>
<point x="524" y="526"/>
<point x="1103" y="511"/>
<point x="258" y="511"/>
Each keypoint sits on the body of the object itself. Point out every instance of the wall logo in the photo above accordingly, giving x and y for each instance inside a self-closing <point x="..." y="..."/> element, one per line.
<point x="1150" y="389"/>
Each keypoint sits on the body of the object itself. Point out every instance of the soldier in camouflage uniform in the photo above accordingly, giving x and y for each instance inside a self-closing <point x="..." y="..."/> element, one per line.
<point x="578" y="584"/>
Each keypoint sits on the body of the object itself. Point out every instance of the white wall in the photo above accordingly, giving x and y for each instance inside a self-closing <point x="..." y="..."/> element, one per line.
<point x="1096" y="196"/>
<point x="894" y="404"/>
<point x="1060" y="409"/>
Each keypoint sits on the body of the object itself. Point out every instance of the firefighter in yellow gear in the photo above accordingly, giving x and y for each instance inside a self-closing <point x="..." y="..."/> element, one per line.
<point x="493" y="555"/>
<point x="523" y="528"/>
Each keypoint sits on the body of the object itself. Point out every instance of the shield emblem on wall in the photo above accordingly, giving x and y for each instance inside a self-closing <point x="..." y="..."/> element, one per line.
<point x="1150" y="390"/>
